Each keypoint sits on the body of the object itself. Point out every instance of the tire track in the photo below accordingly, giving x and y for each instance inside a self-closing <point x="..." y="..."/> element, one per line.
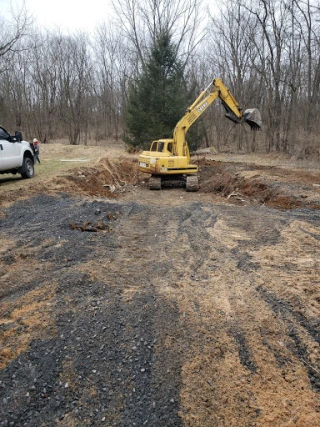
<point x="184" y="313"/>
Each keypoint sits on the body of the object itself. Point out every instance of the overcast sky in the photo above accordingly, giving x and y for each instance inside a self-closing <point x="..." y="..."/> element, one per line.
<point x="69" y="15"/>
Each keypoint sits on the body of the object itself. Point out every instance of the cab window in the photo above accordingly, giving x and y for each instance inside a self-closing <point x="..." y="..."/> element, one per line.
<point x="4" y="135"/>
<point x="160" y="146"/>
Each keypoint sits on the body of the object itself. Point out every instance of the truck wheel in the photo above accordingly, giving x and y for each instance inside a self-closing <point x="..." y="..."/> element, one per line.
<point x="28" y="168"/>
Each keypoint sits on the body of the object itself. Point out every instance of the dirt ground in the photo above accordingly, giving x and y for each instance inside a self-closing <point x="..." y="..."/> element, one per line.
<point x="121" y="306"/>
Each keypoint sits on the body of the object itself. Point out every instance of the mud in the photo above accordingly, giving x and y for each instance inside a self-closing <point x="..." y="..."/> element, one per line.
<point x="183" y="309"/>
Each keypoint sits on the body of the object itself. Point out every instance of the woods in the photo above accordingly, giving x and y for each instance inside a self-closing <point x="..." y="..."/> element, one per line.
<point x="76" y="86"/>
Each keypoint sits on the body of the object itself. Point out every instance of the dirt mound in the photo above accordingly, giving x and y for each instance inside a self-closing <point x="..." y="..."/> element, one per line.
<point x="228" y="184"/>
<point x="107" y="178"/>
<point x="235" y="182"/>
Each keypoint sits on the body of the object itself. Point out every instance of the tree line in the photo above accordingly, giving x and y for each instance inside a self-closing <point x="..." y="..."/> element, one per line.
<point x="80" y="87"/>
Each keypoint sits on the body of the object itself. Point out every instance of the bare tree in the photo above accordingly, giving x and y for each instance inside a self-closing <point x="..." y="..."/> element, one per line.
<point x="113" y="67"/>
<point x="13" y="30"/>
<point x="141" y="21"/>
<point x="231" y="32"/>
<point x="43" y="68"/>
<point x="266" y="51"/>
<point x="74" y="82"/>
<point x="306" y="17"/>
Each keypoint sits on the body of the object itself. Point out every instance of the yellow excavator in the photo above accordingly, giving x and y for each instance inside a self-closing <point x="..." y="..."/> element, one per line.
<point x="169" y="159"/>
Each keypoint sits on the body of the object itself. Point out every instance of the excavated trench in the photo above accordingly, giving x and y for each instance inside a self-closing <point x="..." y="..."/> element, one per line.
<point x="252" y="184"/>
<point x="235" y="183"/>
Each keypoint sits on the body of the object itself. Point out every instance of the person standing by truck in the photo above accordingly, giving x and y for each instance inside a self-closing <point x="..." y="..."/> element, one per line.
<point x="36" y="150"/>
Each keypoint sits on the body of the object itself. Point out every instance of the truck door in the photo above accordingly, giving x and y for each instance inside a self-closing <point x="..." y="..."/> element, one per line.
<point x="9" y="151"/>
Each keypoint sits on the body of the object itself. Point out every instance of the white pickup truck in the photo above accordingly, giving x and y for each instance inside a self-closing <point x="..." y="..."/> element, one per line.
<point x="16" y="155"/>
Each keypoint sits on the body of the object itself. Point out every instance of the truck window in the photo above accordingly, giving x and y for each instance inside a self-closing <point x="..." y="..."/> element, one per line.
<point x="4" y="134"/>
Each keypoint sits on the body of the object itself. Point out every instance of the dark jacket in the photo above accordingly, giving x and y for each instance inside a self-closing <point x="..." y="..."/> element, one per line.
<point x="36" y="147"/>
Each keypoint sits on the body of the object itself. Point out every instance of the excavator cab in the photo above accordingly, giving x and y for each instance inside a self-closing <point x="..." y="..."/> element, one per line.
<point x="162" y="146"/>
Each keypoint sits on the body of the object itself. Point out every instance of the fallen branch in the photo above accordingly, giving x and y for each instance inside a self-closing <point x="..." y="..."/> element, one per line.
<point x="234" y="194"/>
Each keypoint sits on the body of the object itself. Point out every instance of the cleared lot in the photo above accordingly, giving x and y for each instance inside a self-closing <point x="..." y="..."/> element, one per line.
<point x="121" y="306"/>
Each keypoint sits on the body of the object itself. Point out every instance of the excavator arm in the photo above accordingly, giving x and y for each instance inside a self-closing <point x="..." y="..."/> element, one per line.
<point x="233" y="112"/>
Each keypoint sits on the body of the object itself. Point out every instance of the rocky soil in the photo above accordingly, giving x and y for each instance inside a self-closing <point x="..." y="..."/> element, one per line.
<point x="122" y="306"/>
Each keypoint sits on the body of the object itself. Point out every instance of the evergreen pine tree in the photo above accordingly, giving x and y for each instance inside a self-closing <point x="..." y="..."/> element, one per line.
<point x="157" y="100"/>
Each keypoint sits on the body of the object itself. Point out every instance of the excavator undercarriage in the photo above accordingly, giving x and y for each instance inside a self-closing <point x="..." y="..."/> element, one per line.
<point x="190" y="182"/>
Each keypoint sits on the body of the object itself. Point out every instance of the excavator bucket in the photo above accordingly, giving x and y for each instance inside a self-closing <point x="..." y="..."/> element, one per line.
<point x="252" y="117"/>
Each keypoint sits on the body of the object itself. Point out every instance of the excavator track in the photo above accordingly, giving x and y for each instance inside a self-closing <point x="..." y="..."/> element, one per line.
<point x="155" y="183"/>
<point x="192" y="183"/>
